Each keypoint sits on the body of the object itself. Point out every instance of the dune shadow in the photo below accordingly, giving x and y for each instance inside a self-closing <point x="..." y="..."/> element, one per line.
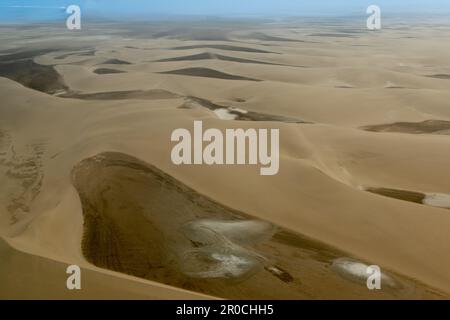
<point x="154" y="94"/>
<point x="438" y="200"/>
<point x="440" y="76"/>
<point x="107" y="71"/>
<point x="428" y="126"/>
<point x="222" y="47"/>
<point x="213" y="56"/>
<point x="32" y="75"/>
<point x="116" y="61"/>
<point x="207" y="73"/>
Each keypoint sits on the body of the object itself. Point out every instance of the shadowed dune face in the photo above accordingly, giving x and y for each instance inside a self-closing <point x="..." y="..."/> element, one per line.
<point x="155" y="94"/>
<point x="440" y="76"/>
<point x="207" y="73"/>
<point x="213" y="56"/>
<point x="428" y="126"/>
<point x="438" y="200"/>
<point x="404" y="195"/>
<point x="116" y="61"/>
<point x="20" y="67"/>
<point x="195" y="57"/>
<point x="33" y="75"/>
<point x="141" y="221"/>
<point x="88" y="53"/>
<point x="46" y="79"/>
<point x="107" y="71"/>
<point x="221" y="47"/>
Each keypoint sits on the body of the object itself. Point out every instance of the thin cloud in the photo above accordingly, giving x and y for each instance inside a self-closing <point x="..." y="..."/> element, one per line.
<point x="33" y="7"/>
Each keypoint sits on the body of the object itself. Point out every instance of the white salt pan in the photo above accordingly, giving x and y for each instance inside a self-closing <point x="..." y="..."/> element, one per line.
<point x="225" y="114"/>
<point x="439" y="200"/>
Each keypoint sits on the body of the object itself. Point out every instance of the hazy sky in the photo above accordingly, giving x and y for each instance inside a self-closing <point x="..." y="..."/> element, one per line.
<point x="38" y="10"/>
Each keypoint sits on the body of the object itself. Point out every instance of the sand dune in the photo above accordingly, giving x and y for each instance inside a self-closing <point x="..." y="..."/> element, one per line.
<point x="432" y="199"/>
<point x="129" y="227"/>
<point x="411" y="196"/>
<point x="86" y="176"/>
<point x="88" y="53"/>
<point x="46" y="280"/>
<point x="23" y="54"/>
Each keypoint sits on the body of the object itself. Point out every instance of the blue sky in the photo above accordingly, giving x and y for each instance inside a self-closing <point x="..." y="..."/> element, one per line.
<point x="41" y="10"/>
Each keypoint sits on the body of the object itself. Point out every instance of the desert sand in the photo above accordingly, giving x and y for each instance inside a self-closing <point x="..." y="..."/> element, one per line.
<point x="86" y="176"/>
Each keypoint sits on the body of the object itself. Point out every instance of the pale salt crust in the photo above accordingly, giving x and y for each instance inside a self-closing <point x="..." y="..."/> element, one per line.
<point x="357" y="271"/>
<point x="239" y="110"/>
<point x="439" y="200"/>
<point x="225" y="114"/>
<point x="228" y="266"/>
<point x="221" y="254"/>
